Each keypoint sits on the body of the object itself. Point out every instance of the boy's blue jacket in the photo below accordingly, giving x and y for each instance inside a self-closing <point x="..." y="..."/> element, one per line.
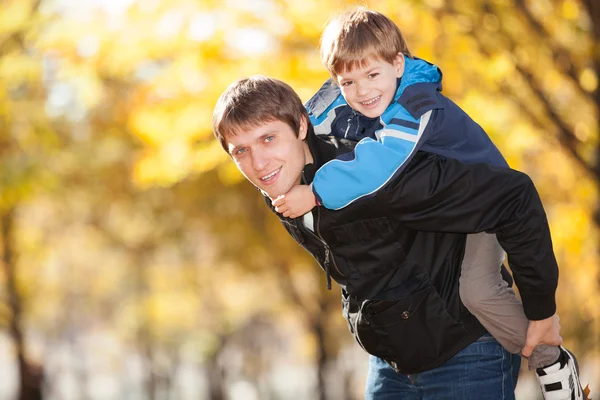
<point x="386" y="144"/>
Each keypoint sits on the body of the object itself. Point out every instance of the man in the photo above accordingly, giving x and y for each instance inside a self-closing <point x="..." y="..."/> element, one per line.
<point x="397" y="254"/>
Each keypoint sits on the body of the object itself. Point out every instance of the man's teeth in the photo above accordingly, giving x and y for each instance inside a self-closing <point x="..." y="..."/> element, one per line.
<point x="272" y="174"/>
<point x="366" y="103"/>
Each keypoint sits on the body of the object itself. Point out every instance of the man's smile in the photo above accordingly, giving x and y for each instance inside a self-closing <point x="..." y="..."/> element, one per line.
<point x="269" y="178"/>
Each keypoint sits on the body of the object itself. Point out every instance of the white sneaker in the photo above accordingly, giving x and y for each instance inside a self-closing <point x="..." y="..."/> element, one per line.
<point x="560" y="381"/>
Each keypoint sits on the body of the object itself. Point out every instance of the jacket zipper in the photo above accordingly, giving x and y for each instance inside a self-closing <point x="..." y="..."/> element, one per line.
<point x="328" y="253"/>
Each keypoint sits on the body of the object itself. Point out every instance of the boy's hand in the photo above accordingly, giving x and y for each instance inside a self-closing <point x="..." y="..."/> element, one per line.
<point x="295" y="203"/>
<point x="546" y="331"/>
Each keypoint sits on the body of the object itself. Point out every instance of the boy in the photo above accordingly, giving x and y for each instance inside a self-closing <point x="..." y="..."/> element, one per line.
<point x="389" y="96"/>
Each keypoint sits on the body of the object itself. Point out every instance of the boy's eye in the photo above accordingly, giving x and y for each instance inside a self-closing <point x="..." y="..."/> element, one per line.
<point x="373" y="75"/>
<point x="347" y="83"/>
<point x="239" y="152"/>
<point x="269" y="138"/>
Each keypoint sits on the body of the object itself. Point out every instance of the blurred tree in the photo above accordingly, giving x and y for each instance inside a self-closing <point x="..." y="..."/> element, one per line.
<point x="120" y="213"/>
<point x="544" y="60"/>
<point x="19" y="165"/>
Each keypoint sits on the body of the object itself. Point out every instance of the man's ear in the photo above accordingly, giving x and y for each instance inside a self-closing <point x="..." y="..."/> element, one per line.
<point x="399" y="64"/>
<point x="303" y="128"/>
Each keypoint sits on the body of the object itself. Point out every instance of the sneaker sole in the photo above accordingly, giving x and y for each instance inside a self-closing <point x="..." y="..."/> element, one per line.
<point x="576" y="373"/>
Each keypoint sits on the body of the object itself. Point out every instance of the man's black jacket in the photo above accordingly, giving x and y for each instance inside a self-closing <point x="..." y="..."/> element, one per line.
<point x="397" y="254"/>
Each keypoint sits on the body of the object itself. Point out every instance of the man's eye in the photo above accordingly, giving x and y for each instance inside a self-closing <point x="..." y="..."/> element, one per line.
<point x="269" y="138"/>
<point x="239" y="152"/>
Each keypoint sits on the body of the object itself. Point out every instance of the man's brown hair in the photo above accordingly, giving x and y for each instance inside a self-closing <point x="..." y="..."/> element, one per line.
<point x="354" y="37"/>
<point x="251" y="102"/>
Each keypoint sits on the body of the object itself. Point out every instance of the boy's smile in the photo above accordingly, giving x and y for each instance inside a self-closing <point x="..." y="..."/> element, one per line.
<point x="370" y="88"/>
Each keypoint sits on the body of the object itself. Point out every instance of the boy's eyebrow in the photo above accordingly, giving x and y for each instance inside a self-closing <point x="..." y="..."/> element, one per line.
<point x="367" y="72"/>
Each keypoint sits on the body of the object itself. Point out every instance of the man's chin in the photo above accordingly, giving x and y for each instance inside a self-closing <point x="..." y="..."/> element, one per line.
<point x="270" y="193"/>
<point x="274" y="191"/>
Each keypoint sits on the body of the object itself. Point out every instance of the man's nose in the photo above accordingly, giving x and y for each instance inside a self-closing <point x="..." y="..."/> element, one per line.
<point x="259" y="160"/>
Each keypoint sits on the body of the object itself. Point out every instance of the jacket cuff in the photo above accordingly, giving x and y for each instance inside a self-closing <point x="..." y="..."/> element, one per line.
<point x="318" y="200"/>
<point x="539" y="306"/>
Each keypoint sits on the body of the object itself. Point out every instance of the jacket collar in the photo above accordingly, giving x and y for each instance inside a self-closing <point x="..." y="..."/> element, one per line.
<point x="323" y="149"/>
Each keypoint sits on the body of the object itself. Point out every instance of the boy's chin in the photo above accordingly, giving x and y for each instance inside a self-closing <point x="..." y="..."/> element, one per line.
<point x="372" y="113"/>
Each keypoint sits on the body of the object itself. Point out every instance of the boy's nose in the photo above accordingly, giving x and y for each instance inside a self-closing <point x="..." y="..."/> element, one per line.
<point x="362" y="89"/>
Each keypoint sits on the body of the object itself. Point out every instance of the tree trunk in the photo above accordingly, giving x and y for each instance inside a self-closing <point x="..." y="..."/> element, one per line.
<point x="320" y="331"/>
<point x="216" y="379"/>
<point x="30" y="375"/>
<point x="594" y="11"/>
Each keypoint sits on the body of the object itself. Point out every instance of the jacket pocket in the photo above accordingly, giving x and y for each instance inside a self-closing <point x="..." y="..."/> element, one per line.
<point x="369" y="246"/>
<point x="411" y="331"/>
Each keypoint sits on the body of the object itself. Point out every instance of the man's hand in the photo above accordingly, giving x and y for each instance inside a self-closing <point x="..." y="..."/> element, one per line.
<point x="298" y="201"/>
<point x="545" y="331"/>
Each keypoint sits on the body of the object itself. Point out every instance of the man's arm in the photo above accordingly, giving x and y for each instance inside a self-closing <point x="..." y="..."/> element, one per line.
<point x="445" y="195"/>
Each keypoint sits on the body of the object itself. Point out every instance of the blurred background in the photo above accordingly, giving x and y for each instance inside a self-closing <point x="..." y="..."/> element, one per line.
<point x="136" y="262"/>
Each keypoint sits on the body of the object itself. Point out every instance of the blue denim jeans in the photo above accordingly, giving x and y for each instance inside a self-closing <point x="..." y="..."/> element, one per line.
<point x="483" y="370"/>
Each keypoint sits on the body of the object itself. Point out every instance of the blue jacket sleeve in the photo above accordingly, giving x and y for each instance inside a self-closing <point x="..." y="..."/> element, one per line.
<point x="370" y="166"/>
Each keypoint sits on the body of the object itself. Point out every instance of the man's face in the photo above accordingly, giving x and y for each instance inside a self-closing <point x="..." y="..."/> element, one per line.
<point x="271" y="156"/>
<point x="370" y="89"/>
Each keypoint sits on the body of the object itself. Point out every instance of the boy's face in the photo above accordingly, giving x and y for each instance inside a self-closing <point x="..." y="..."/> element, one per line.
<point x="370" y="89"/>
<point x="271" y="156"/>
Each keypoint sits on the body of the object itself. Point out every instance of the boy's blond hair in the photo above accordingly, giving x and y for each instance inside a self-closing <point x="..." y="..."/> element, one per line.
<point x="354" y="37"/>
<point x="251" y="102"/>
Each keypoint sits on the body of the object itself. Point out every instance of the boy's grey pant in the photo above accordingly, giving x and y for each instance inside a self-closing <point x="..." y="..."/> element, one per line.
<point x="487" y="296"/>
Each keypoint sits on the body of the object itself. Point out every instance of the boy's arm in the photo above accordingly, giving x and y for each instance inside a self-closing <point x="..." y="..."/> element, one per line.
<point x="368" y="168"/>
<point x="295" y="203"/>
<point x="445" y="195"/>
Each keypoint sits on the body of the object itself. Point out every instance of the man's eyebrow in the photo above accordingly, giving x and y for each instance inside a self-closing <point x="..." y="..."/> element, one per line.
<point x="267" y="133"/>
<point x="260" y="138"/>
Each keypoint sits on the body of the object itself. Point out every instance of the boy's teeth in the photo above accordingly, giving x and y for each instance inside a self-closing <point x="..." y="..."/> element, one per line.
<point x="366" y="103"/>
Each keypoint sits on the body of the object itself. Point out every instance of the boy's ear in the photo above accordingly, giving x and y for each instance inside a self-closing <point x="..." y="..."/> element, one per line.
<point x="399" y="64"/>
<point x="303" y="128"/>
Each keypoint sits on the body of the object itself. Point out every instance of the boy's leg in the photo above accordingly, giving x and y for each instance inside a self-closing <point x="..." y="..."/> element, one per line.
<point x="488" y="297"/>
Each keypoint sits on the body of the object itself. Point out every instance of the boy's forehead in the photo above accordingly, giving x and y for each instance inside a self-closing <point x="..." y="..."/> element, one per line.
<point x="353" y="66"/>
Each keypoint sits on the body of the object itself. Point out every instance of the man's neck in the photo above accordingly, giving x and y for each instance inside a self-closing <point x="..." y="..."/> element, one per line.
<point x="307" y="154"/>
